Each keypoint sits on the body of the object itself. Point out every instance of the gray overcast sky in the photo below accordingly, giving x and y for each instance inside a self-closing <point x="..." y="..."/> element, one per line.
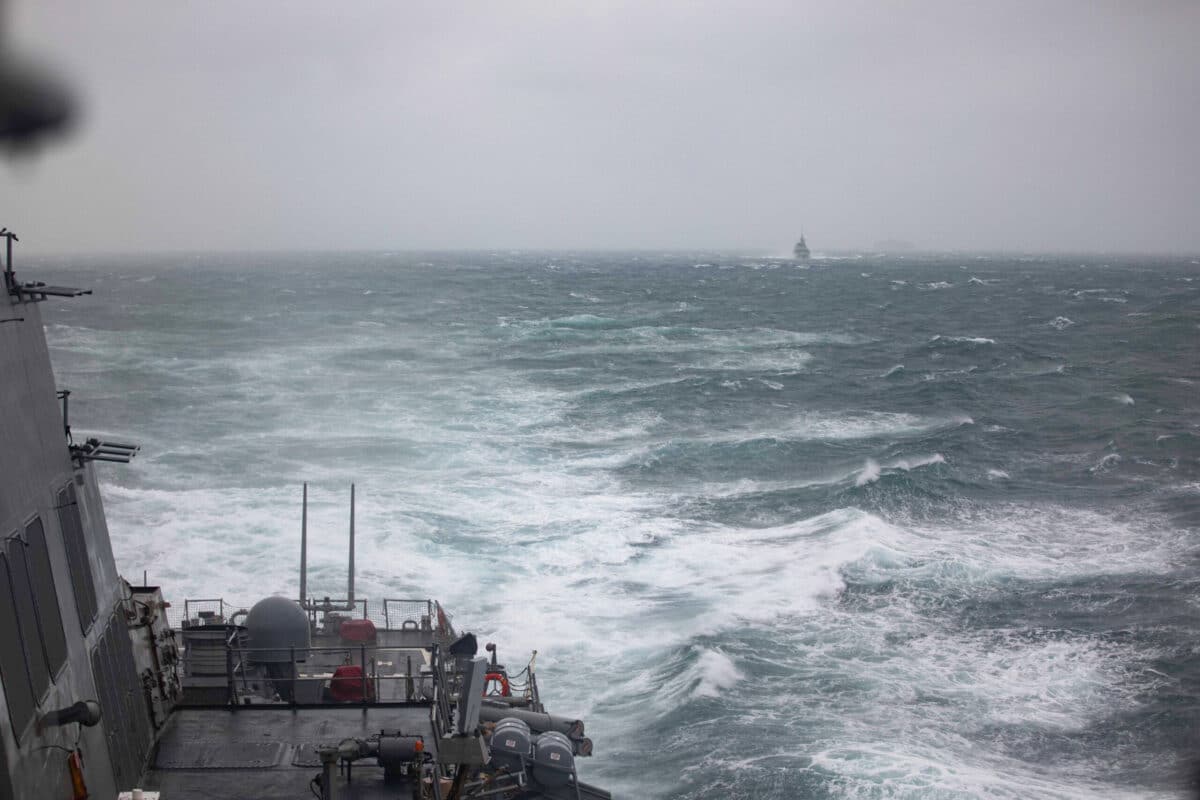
<point x="300" y="124"/>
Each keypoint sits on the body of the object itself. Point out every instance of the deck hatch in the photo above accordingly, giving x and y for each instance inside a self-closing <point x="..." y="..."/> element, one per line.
<point x="22" y="595"/>
<point x="122" y="701"/>
<point x="17" y="686"/>
<point x="49" y="615"/>
<point x="82" y="583"/>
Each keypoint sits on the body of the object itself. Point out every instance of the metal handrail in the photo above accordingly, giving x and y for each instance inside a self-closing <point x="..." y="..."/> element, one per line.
<point x="187" y="605"/>
<point x="441" y="698"/>
<point x="423" y="613"/>
<point x="237" y="657"/>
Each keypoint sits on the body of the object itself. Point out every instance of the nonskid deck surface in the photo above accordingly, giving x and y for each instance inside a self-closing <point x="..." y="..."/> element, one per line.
<point x="269" y="752"/>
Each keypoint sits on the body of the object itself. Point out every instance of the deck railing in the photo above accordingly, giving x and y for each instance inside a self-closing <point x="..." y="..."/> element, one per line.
<point x="392" y="614"/>
<point x="405" y="664"/>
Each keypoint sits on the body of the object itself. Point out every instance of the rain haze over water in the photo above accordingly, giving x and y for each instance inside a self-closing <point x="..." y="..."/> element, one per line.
<point x="900" y="522"/>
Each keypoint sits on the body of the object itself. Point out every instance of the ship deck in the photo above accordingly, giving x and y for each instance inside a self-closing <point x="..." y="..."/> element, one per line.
<point x="268" y="752"/>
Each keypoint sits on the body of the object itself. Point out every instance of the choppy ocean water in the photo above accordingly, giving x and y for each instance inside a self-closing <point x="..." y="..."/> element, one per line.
<point x="882" y="527"/>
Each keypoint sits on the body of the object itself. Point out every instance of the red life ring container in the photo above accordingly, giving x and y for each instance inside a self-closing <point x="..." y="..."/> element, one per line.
<point x="347" y="685"/>
<point x="500" y="678"/>
<point x="357" y="630"/>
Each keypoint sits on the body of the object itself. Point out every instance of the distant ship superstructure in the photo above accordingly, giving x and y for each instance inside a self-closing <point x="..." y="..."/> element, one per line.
<point x="800" y="251"/>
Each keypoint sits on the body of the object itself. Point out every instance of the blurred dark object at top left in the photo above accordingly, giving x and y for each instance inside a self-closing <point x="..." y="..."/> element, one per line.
<point x="34" y="106"/>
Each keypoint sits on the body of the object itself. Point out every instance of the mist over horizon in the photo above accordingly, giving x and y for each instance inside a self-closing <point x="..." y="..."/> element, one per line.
<point x="913" y="252"/>
<point x="1015" y="128"/>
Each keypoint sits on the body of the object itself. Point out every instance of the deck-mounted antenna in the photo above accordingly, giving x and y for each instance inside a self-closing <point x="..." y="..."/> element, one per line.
<point x="326" y="604"/>
<point x="350" y="582"/>
<point x="304" y="550"/>
<point x="10" y="279"/>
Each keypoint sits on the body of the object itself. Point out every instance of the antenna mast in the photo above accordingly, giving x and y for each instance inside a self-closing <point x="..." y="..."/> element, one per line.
<point x="304" y="550"/>
<point x="350" y="582"/>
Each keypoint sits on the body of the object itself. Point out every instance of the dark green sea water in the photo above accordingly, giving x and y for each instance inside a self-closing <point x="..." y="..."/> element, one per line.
<point x="882" y="527"/>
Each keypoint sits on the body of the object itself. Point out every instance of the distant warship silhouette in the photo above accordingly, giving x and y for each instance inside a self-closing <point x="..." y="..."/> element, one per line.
<point x="800" y="251"/>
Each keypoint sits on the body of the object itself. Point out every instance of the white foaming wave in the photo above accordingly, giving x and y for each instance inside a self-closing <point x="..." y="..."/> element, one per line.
<point x="747" y="487"/>
<point x="188" y="542"/>
<point x="777" y="362"/>
<point x="997" y="475"/>
<point x="1060" y="323"/>
<point x="717" y="673"/>
<point x="907" y="464"/>
<point x="1041" y="542"/>
<point x="775" y="572"/>
<point x="951" y="684"/>
<point x="896" y="370"/>
<point x="709" y="675"/>
<point x="923" y="691"/>
<point x="583" y="321"/>
<point x="874" y="768"/>
<point x="810" y="426"/>
<point x="962" y="339"/>
<point x="756" y="575"/>
<point x="937" y="285"/>
<point x="1123" y="399"/>
<point x="870" y="473"/>
<point x="813" y="426"/>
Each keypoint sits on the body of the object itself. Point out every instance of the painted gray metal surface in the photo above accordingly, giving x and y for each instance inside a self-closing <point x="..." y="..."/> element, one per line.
<point x="34" y="466"/>
<point x="269" y="752"/>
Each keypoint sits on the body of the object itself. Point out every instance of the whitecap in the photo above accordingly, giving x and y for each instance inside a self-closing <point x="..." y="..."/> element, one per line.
<point x="962" y="339"/>
<point x="1059" y="323"/>
<point x="716" y="672"/>
<point x="870" y="473"/>
<point x="915" y="463"/>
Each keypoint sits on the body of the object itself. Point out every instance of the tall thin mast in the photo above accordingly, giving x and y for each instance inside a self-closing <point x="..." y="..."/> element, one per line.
<point x="304" y="549"/>
<point x="350" y="584"/>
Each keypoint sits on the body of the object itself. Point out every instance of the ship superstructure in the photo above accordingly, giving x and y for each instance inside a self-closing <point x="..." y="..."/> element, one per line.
<point x="800" y="252"/>
<point x="108" y="688"/>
